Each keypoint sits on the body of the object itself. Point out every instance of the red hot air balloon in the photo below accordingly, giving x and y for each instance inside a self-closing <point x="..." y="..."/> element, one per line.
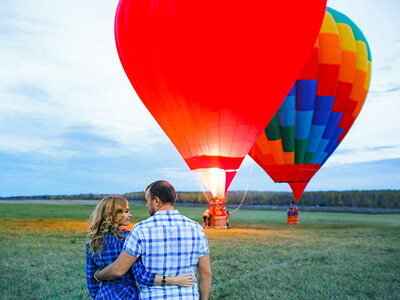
<point x="321" y="107"/>
<point x="204" y="68"/>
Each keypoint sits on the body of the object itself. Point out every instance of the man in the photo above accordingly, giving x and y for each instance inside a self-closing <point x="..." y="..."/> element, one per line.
<point x="206" y="218"/>
<point x="292" y="210"/>
<point x="168" y="244"/>
<point x="228" y="214"/>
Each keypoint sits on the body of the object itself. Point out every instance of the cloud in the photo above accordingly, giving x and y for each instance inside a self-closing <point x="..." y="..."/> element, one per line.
<point x="393" y="89"/>
<point x="368" y="149"/>
<point x="379" y="148"/>
<point x="29" y="90"/>
<point x="363" y="154"/>
<point x="27" y="174"/>
<point x="384" y="91"/>
<point x="107" y="170"/>
<point x="60" y="72"/>
<point x="376" y="174"/>
<point x="384" y="68"/>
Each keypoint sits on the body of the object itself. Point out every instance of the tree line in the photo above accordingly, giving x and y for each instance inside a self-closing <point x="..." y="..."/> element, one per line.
<point x="374" y="198"/>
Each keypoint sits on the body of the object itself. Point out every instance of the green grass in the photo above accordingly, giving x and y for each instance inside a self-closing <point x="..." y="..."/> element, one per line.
<point x="327" y="256"/>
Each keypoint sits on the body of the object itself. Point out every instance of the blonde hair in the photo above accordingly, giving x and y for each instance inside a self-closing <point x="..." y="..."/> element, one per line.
<point x="104" y="220"/>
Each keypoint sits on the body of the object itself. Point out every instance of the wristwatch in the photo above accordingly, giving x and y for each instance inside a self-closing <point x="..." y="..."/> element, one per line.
<point x="163" y="281"/>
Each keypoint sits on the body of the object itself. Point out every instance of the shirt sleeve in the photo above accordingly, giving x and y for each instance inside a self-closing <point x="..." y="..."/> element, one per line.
<point x="133" y="243"/>
<point x="203" y="247"/>
<point x="141" y="275"/>
<point x="91" y="268"/>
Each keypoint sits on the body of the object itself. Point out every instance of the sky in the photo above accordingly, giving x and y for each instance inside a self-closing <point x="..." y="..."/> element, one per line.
<point x="70" y="121"/>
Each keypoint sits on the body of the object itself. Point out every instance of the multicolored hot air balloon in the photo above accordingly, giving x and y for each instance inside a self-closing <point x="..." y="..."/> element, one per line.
<point x="204" y="68"/>
<point x="321" y="106"/>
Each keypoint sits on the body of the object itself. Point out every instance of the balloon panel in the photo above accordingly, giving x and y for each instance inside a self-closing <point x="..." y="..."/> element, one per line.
<point x="320" y="108"/>
<point x="204" y="69"/>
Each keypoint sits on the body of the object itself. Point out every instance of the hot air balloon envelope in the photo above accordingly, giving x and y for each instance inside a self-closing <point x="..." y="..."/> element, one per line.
<point x="320" y="108"/>
<point x="204" y="68"/>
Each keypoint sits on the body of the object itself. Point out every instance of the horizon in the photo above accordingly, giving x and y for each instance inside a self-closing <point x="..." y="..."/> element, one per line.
<point x="260" y="191"/>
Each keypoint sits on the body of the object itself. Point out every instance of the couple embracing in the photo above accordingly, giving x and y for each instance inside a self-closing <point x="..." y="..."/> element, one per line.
<point x="160" y="253"/>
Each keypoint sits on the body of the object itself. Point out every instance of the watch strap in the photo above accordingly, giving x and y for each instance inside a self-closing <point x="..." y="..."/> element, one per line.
<point x="163" y="281"/>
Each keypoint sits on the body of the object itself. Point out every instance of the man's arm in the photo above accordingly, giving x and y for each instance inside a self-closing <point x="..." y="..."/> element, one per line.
<point x="185" y="280"/>
<point x="118" y="268"/>
<point x="144" y="277"/>
<point x="204" y="268"/>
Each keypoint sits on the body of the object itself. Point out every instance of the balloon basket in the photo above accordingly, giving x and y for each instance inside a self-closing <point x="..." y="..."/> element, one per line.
<point x="218" y="222"/>
<point x="292" y="220"/>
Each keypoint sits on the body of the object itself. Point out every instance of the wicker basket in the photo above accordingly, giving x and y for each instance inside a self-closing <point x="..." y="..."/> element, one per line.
<point x="292" y="220"/>
<point x="218" y="222"/>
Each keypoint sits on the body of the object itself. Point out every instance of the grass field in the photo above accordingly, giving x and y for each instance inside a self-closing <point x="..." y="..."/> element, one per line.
<point x="327" y="256"/>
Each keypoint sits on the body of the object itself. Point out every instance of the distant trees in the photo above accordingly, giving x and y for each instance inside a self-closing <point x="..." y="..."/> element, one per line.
<point x="375" y="198"/>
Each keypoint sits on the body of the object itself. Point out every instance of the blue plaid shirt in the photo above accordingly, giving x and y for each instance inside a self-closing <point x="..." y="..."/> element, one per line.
<point x="169" y="244"/>
<point x="122" y="288"/>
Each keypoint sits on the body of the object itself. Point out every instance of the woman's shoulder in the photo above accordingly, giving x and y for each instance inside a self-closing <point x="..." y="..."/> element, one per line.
<point x="110" y="237"/>
<point x="125" y="233"/>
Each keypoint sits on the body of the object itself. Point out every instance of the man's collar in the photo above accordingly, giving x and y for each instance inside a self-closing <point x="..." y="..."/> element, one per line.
<point x="167" y="212"/>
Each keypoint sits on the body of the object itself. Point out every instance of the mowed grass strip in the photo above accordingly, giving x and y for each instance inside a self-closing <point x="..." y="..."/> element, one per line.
<point x="327" y="256"/>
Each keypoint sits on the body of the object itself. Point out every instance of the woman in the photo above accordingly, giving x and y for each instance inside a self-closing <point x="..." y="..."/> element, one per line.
<point x="104" y="244"/>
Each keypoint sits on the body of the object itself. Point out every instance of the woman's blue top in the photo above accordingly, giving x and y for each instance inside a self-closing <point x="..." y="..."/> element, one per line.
<point x="122" y="288"/>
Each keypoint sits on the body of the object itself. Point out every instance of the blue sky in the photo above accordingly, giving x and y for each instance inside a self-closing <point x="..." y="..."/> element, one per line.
<point x="70" y="121"/>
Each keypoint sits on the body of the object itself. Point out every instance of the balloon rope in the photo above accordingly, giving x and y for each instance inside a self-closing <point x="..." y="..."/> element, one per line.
<point x="205" y="195"/>
<point x="200" y="184"/>
<point x="247" y="188"/>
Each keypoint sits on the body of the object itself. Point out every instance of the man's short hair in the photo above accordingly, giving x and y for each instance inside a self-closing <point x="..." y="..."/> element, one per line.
<point x="163" y="190"/>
